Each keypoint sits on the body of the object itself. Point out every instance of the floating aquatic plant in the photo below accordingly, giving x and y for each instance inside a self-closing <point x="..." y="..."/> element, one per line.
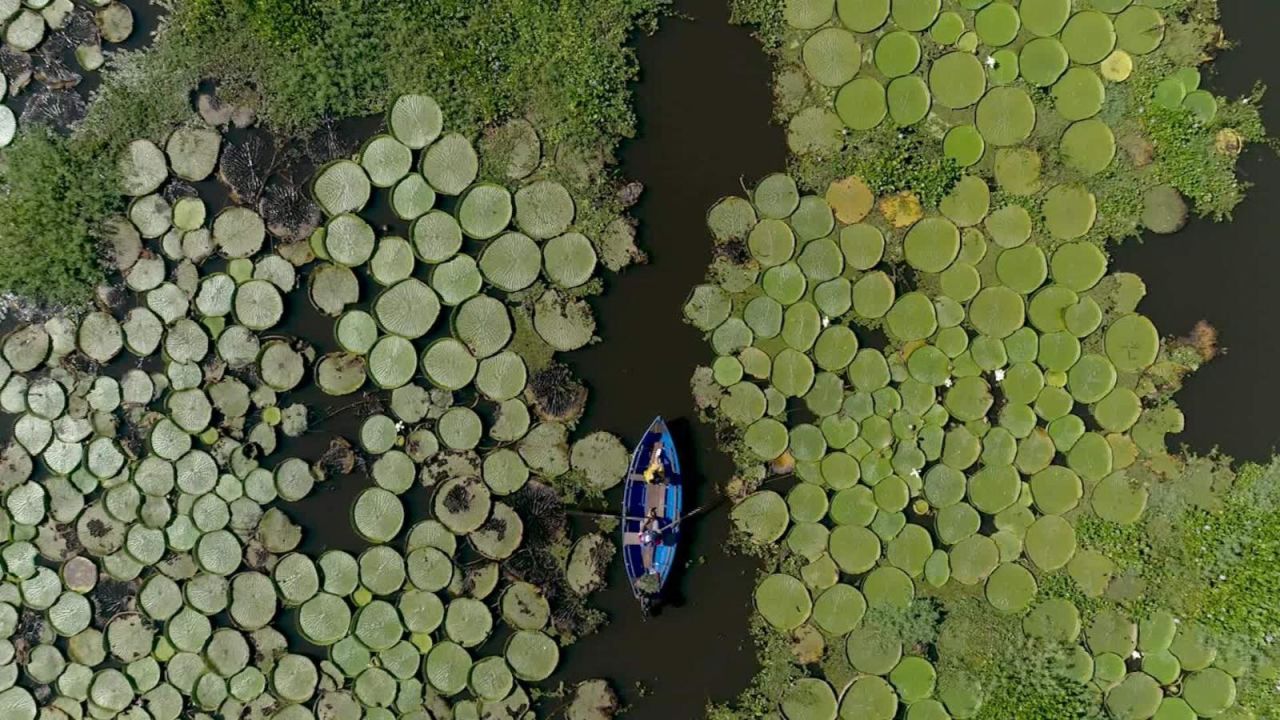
<point x="159" y="492"/>
<point x="1020" y="399"/>
<point x="953" y="460"/>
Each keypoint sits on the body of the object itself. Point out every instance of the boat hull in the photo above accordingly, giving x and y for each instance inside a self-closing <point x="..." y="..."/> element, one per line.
<point x="649" y="564"/>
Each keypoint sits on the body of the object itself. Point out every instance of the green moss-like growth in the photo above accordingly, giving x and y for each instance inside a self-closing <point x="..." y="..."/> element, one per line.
<point x="55" y="195"/>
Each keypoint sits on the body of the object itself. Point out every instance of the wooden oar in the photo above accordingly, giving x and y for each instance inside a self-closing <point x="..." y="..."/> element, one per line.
<point x="597" y="513"/>
<point x="692" y="513"/>
<point x="715" y="503"/>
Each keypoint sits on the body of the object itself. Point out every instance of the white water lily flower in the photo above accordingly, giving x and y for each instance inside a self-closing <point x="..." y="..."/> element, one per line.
<point x="991" y="61"/>
<point x="999" y="374"/>
<point x="948" y="382"/>
<point x="825" y="321"/>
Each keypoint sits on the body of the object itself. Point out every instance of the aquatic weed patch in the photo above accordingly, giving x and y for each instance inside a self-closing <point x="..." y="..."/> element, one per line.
<point x="152" y="568"/>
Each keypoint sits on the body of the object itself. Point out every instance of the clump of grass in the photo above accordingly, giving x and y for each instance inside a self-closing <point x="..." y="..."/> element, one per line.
<point x="55" y="192"/>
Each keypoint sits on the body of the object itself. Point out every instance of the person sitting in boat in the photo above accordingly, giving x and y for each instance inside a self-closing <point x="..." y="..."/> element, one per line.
<point x="650" y="531"/>
<point x="654" y="471"/>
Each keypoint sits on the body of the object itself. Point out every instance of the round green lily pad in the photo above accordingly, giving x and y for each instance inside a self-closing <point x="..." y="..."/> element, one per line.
<point x="1056" y="619"/>
<point x="932" y="244"/>
<point x="776" y="196"/>
<point x="1078" y="94"/>
<point x="855" y="549"/>
<point x="1089" y="37"/>
<point x="1043" y="61"/>
<point x="1069" y="211"/>
<point x="869" y="698"/>
<point x="1137" y="697"/>
<point x="1050" y="542"/>
<point x="484" y="210"/>
<point x="973" y="559"/>
<point x="1139" y="29"/>
<point x="809" y="699"/>
<point x="873" y="649"/>
<point x="897" y="54"/>
<point x="1209" y="692"/>
<point x="1132" y="343"/>
<point x="915" y="15"/>
<point x="783" y="601"/>
<point x="450" y="164"/>
<point x="957" y="79"/>
<point x="1010" y="588"/>
<point x="997" y="24"/>
<point x="908" y="99"/>
<point x="861" y="103"/>
<point x="863" y="16"/>
<point x="1005" y="116"/>
<point x="839" y="609"/>
<point x="1044" y="17"/>
<point x="964" y="144"/>
<point x="1119" y="498"/>
<point x="832" y="56"/>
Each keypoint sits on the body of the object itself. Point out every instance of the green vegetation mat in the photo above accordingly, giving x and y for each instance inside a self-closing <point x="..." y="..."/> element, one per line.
<point x="979" y="518"/>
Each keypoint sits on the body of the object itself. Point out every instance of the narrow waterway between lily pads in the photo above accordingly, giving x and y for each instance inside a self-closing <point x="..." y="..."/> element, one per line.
<point x="704" y="103"/>
<point x="1226" y="272"/>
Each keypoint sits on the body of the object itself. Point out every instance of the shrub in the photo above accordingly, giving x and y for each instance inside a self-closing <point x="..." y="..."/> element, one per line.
<point x="54" y="195"/>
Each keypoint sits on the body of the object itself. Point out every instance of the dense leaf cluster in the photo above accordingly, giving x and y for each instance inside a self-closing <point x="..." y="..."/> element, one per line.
<point x="53" y="195"/>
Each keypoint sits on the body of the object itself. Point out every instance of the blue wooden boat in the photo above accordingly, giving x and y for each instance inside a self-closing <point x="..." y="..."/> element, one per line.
<point x="652" y="501"/>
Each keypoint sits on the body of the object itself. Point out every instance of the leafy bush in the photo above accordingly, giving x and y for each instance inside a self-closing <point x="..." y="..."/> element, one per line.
<point x="889" y="161"/>
<point x="1032" y="683"/>
<point x="55" y="193"/>
<point x="1199" y="159"/>
<point x="915" y="624"/>
<point x="565" y="61"/>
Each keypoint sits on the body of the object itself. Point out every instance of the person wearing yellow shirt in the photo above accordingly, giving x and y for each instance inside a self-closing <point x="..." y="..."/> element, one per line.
<point x="655" y="464"/>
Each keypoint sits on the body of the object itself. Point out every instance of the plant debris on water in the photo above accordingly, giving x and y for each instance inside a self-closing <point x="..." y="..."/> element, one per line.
<point x="988" y="522"/>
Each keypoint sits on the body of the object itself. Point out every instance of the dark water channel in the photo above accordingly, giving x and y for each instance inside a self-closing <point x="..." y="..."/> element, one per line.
<point x="704" y="103"/>
<point x="1226" y="273"/>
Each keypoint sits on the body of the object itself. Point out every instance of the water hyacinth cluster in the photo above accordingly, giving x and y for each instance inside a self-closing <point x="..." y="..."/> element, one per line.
<point x="151" y="566"/>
